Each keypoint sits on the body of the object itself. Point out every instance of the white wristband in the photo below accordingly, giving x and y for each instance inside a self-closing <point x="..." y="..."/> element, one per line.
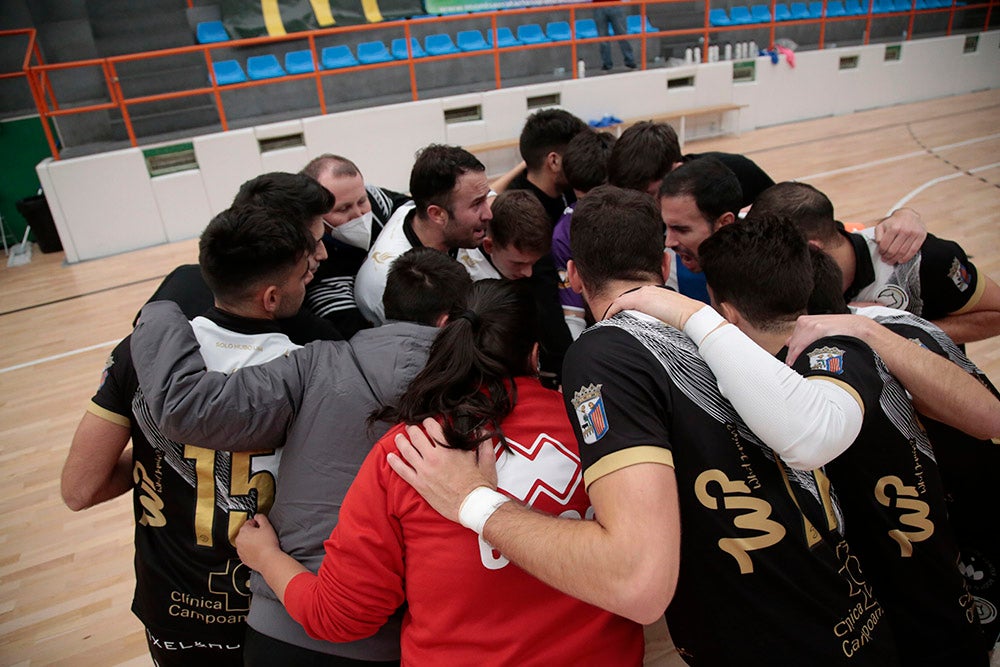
<point x="479" y="506"/>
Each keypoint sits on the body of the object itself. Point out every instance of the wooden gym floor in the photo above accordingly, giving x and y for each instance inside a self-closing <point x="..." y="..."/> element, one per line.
<point x="66" y="579"/>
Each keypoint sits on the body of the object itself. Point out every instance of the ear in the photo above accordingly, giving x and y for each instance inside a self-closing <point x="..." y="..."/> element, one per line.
<point x="665" y="265"/>
<point x="270" y="299"/>
<point x="816" y="244"/>
<point x="441" y="320"/>
<point x="726" y="218"/>
<point x="437" y="214"/>
<point x="729" y="312"/>
<point x="533" y="359"/>
<point x="488" y="245"/>
<point x="554" y="161"/>
<point x="575" y="283"/>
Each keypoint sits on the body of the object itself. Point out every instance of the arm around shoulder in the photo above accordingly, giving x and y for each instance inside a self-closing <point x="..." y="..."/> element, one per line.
<point x="625" y="560"/>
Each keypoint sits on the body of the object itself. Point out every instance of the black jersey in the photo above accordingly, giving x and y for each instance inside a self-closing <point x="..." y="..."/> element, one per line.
<point x="758" y="584"/>
<point x="938" y="281"/>
<point x="968" y="468"/>
<point x="189" y="503"/>
<point x="896" y="519"/>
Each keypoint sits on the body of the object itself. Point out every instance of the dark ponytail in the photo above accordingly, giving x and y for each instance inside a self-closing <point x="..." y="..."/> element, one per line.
<point x="468" y="379"/>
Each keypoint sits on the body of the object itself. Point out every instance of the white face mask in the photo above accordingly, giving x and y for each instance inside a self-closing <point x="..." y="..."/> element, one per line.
<point x="355" y="232"/>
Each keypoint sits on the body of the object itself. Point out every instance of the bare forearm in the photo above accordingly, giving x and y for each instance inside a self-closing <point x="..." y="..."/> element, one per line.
<point x="940" y="389"/>
<point x="278" y="569"/>
<point x="579" y="558"/>
<point x="970" y="327"/>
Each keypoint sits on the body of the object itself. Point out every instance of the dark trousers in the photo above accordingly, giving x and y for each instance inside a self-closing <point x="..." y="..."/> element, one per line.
<point x="259" y="650"/>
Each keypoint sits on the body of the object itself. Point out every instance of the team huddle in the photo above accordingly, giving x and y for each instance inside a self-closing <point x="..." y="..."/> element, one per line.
<point x="514" y="422"/>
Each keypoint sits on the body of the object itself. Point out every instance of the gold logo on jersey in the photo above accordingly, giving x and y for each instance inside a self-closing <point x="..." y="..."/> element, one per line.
<point x="713" y="486"/>
<point x="150" y="500"/>
<point x="383" y="257"/>
<point x="890" y="491"/>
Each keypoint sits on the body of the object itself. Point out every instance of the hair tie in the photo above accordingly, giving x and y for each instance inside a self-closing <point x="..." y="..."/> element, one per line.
<point x="472" y="318"/>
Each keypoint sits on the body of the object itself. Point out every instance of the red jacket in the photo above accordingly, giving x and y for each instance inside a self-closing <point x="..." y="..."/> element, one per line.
<point x="467" y="604"/>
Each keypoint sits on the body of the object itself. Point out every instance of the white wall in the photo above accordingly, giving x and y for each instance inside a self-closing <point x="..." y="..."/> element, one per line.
<point x="104" y="204"/>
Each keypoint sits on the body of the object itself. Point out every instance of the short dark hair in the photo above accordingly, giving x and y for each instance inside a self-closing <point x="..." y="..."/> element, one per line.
<point x="546" y="131"/>
<point x="827" y="297"/>
<point x="762" y="269"/>
<point x="435" y="172"/>
<point x="246" y="245"/>
<point x="298" y="197"/>
<point x="713" y="186"/>
<point x="808" y="208"/>
<point x="520" y="220"/>
<point x="616" y="234"/>
<point x="337" y="165"/>
<point x="585" y="162"/>
<point x="422" y="285"/>
<point x="644" y="153"/>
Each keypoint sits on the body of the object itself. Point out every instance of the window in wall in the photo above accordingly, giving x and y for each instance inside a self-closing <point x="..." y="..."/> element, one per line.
<point x="463" y="114"/>
<point x="744" y="71"/>
<point x="893" y="51"/>
<point x="277" y="143"/>
<point x="541" y="101"/>
<point x="680" y="82"/>
<point x="971" y="44"/>
<point x="848" y="62"/>
<point x="170" y="159"/>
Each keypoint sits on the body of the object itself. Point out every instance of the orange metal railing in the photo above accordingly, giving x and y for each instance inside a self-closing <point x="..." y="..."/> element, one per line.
<point x="38" y="73"/>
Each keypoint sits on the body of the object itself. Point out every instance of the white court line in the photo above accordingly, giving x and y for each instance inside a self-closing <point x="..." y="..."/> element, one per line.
<point x="81" y="350"/>
<point x="902" y="202"/>
<point x="897" y="158"/>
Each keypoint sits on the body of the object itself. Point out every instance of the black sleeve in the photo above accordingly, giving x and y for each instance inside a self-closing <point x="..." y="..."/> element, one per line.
<point x="948" y="280"/>
<point x="118" y="381"/>
<point x="847" y="361"/>
<point x="614" y="397"/>
<point x="554" y="335"/>
<point x="305" y="327"/>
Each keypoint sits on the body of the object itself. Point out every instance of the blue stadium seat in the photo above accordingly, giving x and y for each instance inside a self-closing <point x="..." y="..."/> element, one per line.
<point x="815" y="10"/>
<point x="471" y="40"/>
<point x="558" y="31"/>
<point x="882" y="6"/>
<point x="210" y="32"/>
<point x="531" y="33"/>
<point x="373" y="52"/>
<point x="299" y="62"/>
<point x="586" y="29"/>
<point x="228" y="72"/>
<point x="854" y="8"/>
<point x="835" y="8"/>
<point x="761" y="13"/>
<point x="740" y="15"/>
<point x="633" y="24"/>
<point x="505" y="37"/>
<point x="799" y="11"/>
<point x="398" y="48"/>
<point x="335" y="57"/>
<point x="719" y="17"/>
<point x="439" y="44"/>
<point x="264" y="67"/>
<point x="902" y="5"/>
<point x="781" y="13"/>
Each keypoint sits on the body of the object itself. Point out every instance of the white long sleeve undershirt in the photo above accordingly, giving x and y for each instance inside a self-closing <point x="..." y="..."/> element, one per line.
<point x="808" y="424"/>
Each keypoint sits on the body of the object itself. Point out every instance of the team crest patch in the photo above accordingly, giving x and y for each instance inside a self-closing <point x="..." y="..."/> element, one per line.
<point x="959" y="275"/>
<point x="893" y="296"/>
<point x="829" y="359"/>
<point x="590" y="413"/>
